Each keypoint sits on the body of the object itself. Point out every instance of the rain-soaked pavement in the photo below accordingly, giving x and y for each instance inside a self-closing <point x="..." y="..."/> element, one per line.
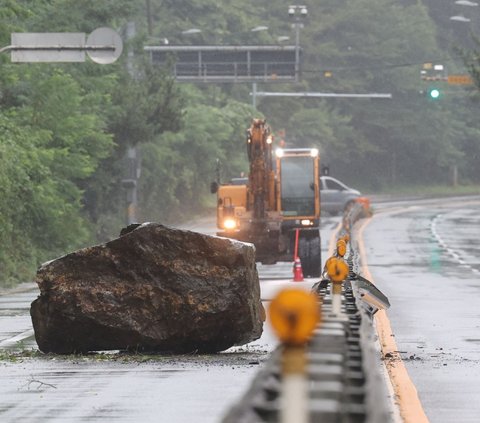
<point x="127" y="388"/>
<point x="425" y="256"/>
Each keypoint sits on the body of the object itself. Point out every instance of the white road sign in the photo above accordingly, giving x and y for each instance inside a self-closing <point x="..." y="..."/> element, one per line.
<point x="103" y="46"/>
<point x="97" y="43"/>
<point x="48" y="47"/>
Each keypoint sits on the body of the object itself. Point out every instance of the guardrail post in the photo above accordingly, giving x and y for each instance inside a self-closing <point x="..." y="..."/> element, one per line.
<point x="336" y="292"/>
<point x="294" y="391"/>
<point x="294" y="315"/>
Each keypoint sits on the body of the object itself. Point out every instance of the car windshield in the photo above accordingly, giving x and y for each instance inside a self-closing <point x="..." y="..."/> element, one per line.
<point x="331" y="184"/>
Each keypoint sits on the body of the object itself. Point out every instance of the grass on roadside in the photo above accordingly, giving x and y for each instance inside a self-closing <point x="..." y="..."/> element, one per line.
<point x="240" y="356"/>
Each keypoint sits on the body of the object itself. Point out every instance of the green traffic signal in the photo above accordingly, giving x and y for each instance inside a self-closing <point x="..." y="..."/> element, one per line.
<point x="434" y="93"/>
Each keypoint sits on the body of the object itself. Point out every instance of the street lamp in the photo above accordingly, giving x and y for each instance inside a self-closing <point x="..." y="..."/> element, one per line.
<point x="466" y="3"/>
<point x="460" y="18"/>
<point x="162" y="40"/>
<point x="259" y="28"/>
<point x="191" y="31"/>
<point x="298" y="13"/>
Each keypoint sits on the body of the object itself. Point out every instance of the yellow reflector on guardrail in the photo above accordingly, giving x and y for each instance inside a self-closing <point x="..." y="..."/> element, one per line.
<point x="294" y="314"/>
<point x="337" y="269"/>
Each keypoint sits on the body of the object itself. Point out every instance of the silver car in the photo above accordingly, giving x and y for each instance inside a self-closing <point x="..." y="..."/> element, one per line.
<point x="335" y="196"/>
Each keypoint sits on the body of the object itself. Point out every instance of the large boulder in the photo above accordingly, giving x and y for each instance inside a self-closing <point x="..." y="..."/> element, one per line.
<point x="153" y="289"/>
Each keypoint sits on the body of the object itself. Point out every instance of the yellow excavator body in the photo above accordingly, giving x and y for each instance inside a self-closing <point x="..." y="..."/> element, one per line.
<point x="280" y="195"/>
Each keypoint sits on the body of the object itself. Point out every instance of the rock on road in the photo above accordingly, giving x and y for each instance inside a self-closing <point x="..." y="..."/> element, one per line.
<point x="123" y="388"/>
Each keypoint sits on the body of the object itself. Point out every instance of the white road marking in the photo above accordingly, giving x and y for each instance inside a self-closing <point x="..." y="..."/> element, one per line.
<point x="442" y="243"/>
<point x="17" y="338"/>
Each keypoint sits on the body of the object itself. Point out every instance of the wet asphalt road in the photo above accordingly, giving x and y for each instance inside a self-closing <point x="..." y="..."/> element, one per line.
<point x="425" y="256"/>
<point x="122" y="388"/>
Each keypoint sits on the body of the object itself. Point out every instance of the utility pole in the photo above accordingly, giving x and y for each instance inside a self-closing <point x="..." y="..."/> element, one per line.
<point x="133" y="169"/>
<point x="148" y="6"/>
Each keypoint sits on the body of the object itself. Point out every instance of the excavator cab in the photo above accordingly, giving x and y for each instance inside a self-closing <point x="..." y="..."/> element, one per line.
<point x="297" y="178"/>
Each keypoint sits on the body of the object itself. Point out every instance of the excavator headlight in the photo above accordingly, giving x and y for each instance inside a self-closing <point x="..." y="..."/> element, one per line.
<point x="306" y="222"/>
<point x="229" y="223"/>
<point x="314" y="152"/>
<point x="279" y="152"/>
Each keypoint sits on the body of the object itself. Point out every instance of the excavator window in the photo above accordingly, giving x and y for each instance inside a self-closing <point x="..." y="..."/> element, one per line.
<point x="297" y="195"/>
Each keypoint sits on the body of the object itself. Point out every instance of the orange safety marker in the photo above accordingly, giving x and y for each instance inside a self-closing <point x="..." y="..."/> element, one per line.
<point x="297" y="271"/>
<point x="337" y="271"/>
<point x="365" y="203"/>
<point x="341" y="247"/>
<point x="297" y="266"/>
<point x="294" y="314"/>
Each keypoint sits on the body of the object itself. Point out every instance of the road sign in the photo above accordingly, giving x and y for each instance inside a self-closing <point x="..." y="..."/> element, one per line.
<point x="37" y="47"/>
<point x="99" y="41"/>
<point x="103" y="46"/>
<point x="460" y="80"/>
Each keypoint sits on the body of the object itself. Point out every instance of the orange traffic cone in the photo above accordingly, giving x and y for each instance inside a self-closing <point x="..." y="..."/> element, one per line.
<point x="297" y="271"/>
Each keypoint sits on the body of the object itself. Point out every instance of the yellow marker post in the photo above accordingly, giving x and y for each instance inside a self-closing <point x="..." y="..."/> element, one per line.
<point x="341" y="247"/>
<point x="294" y="314"/>
<point x="337" y="270"/>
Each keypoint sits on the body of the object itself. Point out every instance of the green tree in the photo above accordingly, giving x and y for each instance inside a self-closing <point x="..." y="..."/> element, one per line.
<point x="179" y="166"/>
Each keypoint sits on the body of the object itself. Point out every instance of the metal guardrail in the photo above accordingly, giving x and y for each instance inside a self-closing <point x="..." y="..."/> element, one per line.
<point x="345" y="380"/>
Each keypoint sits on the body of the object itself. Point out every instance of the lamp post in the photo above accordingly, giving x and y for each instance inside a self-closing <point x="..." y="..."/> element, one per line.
<point x="132" y="161"/>
<point x="466" y="3"/>
<point x="259" y="28"/>
<point x="298" y="13"/>
<point x="461" y="18"/>
<point x="191" y="31"/>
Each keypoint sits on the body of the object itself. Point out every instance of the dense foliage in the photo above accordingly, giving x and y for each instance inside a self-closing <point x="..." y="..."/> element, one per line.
<point x="66" y="128"/>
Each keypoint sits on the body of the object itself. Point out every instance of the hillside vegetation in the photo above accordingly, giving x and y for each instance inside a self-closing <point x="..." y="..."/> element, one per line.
<point x="65" y="128"/>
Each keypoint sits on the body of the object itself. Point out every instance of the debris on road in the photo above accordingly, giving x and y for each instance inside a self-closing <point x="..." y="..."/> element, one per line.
<point x="153" y="289"/>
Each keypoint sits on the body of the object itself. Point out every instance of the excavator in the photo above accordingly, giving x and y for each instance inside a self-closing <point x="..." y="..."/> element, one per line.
<point x="277" y="208"/>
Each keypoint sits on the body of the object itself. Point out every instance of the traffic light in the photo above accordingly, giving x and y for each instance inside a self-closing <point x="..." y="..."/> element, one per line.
<point x="434" y="93"/>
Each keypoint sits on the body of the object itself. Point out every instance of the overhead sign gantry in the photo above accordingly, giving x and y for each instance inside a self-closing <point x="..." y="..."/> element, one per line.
<point x="221" y="63"/>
